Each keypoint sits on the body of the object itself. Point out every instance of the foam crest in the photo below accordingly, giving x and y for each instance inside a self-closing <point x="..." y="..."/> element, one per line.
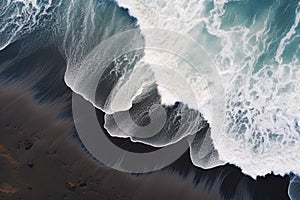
<point x="21" y="17"/>
<point x="261" y="132"/>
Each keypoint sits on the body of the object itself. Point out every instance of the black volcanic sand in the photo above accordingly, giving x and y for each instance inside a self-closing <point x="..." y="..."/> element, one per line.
<point x="41" y="160"/>
<point x="41" y="156"/>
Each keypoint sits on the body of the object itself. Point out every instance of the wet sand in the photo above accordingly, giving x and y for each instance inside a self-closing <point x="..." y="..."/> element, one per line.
<point x="41" y="160"/>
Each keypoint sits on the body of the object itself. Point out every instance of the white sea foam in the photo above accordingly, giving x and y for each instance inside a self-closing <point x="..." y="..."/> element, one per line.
<point x="261" y="132"/>
<point x="21" y="17"/>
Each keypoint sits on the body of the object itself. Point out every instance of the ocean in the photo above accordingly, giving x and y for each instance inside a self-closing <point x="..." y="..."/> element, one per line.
<point x="220" y="76"/>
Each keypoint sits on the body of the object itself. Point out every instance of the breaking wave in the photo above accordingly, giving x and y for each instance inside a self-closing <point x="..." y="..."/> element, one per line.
<point x="255" y="46"/>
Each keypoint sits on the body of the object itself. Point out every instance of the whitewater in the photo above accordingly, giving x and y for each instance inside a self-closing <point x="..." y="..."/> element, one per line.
<point x="257" y="55"/>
